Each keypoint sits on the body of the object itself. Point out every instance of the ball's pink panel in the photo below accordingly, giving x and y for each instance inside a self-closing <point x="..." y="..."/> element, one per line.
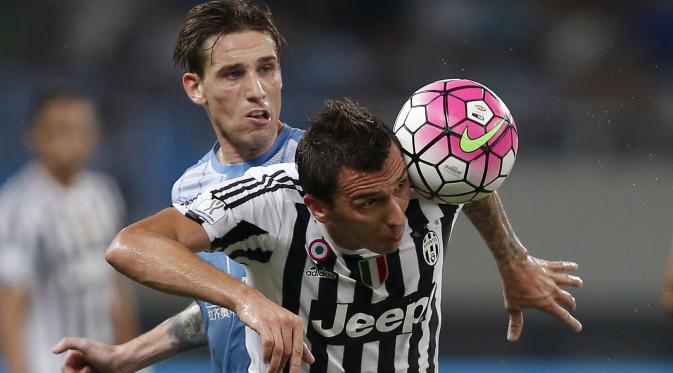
<point x="503" y="144"/>
<point x="454" y="141"/>
<point x="456" y="110"/>
<point x="425" y="135"/>
<point x="475" y="171"/>
<point x="493" y="170"/>
<point x="437" y="152"/>
<point x="468" y="94"/>
<point x="424" y="98"/>
<point x="494" y="123"/>
<point x="498" y="108"/>
<point x="434" y="111"/>
<point x="457" y="83"/>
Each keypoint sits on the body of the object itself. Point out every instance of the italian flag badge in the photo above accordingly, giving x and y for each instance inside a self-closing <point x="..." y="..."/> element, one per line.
<point x="373" y="271"/>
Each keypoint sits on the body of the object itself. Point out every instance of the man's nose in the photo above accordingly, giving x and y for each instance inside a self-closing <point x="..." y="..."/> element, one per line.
<point x="254" y="87"/>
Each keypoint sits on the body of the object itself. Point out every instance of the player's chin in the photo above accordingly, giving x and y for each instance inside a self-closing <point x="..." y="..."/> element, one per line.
<point x="388" y="246"/>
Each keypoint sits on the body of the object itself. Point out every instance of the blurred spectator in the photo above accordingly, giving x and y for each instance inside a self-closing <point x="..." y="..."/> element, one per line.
<point x="58" y="220"/>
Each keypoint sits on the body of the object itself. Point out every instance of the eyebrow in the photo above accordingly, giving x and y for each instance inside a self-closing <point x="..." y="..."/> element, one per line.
<point x="367" y="194"/>
<point x="239" y="65"/>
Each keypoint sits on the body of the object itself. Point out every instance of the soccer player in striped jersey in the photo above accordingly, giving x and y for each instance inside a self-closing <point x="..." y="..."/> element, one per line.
<point x="56" y="221"/>
<point x="345" y="262"/>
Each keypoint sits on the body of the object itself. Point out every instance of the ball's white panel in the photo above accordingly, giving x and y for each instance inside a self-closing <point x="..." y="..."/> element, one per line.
<point x="459" y="187"/>
<point x="415" y="119"/>
<point x="406" y="140"/>
<point x="432" y="178"/>
<point x="457" y="199"/>
<point x="508" y="162"/>
<point x="495" y="184"/>
<point x="478" y="111"/>
<point x="453" y="169"/>
<point x="415" y="177"/>
<point x="402" y="115"/>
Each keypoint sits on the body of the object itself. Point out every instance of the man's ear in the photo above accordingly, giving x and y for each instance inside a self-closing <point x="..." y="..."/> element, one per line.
<point x="193" y="87"/>
<point x="317" y="208"/>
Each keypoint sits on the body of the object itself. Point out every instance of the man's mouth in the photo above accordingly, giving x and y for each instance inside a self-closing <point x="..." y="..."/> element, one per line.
<point x="258" y="115"/>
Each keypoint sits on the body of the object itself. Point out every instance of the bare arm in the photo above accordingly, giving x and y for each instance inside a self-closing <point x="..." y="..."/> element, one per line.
<point x="124" y="312"/>
<point x="12" y="323"/>
<point x="181" y="332"/>
<point x="528" y="282"/>
<point x="159" y="252"/>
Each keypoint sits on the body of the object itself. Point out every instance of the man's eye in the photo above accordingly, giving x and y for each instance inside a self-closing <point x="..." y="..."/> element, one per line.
<point x="233" y="74"/>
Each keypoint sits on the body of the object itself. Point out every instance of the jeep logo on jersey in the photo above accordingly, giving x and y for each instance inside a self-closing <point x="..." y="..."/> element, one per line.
<point x="360" y="323"/>
<point x="319" y="250"/>
<point x="431" y="248"/>
<point x="211" y="210"/>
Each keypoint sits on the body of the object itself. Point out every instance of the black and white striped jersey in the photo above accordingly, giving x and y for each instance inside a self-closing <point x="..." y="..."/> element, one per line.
<point x="362" y="312"/>
<point x="52" y="244"/>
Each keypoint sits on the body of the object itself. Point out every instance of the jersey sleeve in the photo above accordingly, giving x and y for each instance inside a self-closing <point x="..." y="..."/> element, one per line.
<point x="243" y="216"/>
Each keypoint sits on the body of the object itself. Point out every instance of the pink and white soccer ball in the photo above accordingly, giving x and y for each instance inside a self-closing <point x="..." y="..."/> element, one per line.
<point x="459" y="140"/>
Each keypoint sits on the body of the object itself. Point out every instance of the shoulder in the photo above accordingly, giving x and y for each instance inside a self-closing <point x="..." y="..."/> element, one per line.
<point x="278" y="171"/>
<point x="295" y="133"/>
<point x="103" y="186"/>
<point x="22" y="184"/>
<point x="191" y="182"/>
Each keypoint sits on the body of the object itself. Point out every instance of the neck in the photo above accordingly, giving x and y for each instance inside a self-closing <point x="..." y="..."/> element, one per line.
<point x="229" y="153"/>
<point x="63" y="176"/>
<point x="340" y="238"/>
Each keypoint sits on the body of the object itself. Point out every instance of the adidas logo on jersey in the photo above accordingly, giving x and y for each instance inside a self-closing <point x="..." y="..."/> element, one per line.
<point x="321" y="273"/>
<point x="375" y="323"/>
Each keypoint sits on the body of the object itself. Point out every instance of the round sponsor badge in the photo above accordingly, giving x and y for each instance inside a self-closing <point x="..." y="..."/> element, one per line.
<point x="319" y="250"/>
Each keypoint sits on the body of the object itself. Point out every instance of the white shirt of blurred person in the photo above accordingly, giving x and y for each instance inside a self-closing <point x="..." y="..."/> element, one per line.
<point x="56" y="223"/>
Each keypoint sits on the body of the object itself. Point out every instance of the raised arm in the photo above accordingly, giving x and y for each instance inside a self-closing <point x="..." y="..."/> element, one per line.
<point x="15" y="306"/>
<point x="182" y="332"/>
<point x="159" y="252"/>
<point x="527" y="282"/>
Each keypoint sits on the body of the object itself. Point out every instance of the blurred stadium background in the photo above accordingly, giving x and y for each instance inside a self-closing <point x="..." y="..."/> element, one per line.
<point x="590" y="85"/>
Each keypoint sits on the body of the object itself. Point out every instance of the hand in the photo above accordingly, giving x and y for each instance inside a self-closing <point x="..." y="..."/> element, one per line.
<point x="535" y="283"/>
<point x="87" y="356"/>
<point x="281" y="332"/>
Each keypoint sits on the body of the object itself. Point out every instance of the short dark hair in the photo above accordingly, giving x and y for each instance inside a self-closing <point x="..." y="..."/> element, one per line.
<point x="219" y="17"/>
<point x="343" y="135"/>
<point x="54" y="93"/>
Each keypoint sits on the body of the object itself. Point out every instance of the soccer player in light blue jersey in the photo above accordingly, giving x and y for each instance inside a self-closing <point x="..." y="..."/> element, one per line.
<point x="238" y="84"/>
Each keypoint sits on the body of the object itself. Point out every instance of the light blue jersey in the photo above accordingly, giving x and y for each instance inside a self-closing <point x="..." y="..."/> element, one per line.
<point x="225" y="332"/>
<point x="208" y="171"/>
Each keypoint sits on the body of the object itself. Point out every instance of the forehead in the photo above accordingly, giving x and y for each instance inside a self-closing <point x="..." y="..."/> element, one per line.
<point x="353" y="183"/>
<point x="239" y="47"/>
